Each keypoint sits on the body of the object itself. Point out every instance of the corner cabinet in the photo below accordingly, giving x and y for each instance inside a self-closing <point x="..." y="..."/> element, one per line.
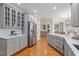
<point x="11" y="17"/>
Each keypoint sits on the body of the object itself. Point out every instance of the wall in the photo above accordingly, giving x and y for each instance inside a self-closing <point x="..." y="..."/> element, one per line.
<point x="58" y="21"/>
<point x="45" y="22"/>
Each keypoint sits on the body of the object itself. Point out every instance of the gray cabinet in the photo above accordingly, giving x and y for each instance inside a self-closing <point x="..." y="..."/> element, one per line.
<point x="3" y="47"/>
<point x="51" y="40"/>
<point x="60" y="44"/>
<point x="11" y="17"/>
<point x="67" y="50"/>
<point x="16" y="44"/>
<point x="56" y="42"/>
<point x="4" y="16"/>
<point x="12" y="45"/>
<point x="23" y="42"/>
<point x="9" y="46"/>
<point x="7" y="16"/>
<point x="75" y="15"/>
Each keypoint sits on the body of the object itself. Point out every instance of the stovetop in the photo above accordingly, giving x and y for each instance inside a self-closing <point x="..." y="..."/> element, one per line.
<point x="77" y="46"/>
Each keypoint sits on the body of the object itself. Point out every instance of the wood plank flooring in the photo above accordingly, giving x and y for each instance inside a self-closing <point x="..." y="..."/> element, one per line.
<point x="40" y="49"/>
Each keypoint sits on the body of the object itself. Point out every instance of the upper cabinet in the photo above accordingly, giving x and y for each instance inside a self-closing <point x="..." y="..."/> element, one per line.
<point x="75" y="15"/>
<point x="11" y="17"/>
<point x="7" y="16"/>
<point x="18" y="19"/>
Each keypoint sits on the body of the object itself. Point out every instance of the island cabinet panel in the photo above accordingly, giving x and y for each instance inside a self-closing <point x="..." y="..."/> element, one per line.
<point x="67" y="50"/>
<point x="56" y="42"/>
<point x="60" y="44"/>
<point x="50" y="40"/>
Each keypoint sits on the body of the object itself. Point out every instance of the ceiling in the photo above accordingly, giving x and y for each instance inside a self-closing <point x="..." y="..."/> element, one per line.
<point x="45" y="10"/>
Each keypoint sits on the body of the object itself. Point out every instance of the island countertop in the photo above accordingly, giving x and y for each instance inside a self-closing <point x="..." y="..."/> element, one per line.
<point x="70" y="42"/>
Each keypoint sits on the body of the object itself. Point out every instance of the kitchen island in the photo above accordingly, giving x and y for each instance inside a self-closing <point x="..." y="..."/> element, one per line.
<point x="12" y="44"/>
<point x="67" y="48"/>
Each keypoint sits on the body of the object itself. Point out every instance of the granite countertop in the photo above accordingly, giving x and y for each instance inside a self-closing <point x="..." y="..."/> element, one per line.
<point x="70" y="42"/>
<point x="8" y="36"/>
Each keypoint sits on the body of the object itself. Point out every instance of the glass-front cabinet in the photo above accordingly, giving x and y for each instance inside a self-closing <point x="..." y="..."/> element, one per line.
<point x="18" y="19"/>
<point x="11" y="17"/>
<point x="22" y="21"/>
<point x="7" y="16"/>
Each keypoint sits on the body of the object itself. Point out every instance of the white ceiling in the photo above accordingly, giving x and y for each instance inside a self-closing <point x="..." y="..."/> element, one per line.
<point x="45" y="10"/>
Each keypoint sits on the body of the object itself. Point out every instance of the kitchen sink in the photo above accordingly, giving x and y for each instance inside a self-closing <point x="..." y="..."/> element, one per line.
<point x="77" y="46"/>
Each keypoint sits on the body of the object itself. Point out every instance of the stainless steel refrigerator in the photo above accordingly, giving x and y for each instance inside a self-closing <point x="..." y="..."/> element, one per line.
<point x="31" y="34"/>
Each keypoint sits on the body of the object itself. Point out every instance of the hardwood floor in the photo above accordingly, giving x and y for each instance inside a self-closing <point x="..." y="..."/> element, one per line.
<point x="40" y="49"/>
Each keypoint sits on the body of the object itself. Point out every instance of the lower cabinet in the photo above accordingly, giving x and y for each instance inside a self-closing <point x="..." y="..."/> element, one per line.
<point x="3" y="47"/>
<point x="16" y="44"/>
<point x="23" y="42"/>
<point x="60" y="44"/>
<point x="12" y="45"/>
<point x="56" y="42"/>
<point x="67" y="50"/>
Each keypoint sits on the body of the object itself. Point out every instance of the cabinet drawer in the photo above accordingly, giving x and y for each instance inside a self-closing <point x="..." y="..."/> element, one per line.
<point x="60" y="47"/>
<point x="60" y="42"/>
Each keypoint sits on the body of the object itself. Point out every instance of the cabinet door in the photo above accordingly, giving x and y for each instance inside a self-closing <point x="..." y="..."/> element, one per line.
<point x="60" y="47"/>
<point x="22" y="20"/>
<point x="25" y="41"/>
<point x="16" y="44"/>
<point x="21" y="43"/>
<point x="10" y="49"/>
<point x="13" y="17"/>
<point x="0" y="47"/>
<point x="12" y="46"/>
<point x="7" y="16"/>
<point x="49" y="40"/>
<point x="24" y="44"/>
<point x="18" y="19"/>
<point x="3" y="47"/>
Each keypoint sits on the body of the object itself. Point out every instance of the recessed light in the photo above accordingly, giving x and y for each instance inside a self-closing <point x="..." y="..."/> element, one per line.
<point x="54" y="8"/>
<point x="18" y="3"/>
<point x="35" y="11"/>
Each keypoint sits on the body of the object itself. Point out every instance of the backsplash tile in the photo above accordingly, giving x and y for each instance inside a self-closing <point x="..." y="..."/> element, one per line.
<point x="5" y="32"/>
